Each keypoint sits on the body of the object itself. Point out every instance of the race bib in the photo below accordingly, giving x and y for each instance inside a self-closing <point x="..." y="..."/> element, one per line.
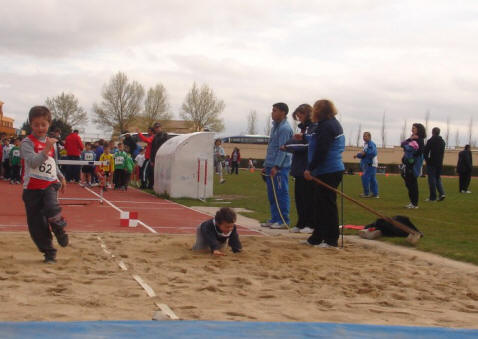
<point x="16" y="153"/>
<point x="89" y="157"/>
<point x="46" y="171"/>
<point x="119" y="160"/>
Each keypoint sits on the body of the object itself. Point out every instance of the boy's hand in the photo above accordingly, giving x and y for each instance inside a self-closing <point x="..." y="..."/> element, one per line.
<point x="217" y="252"/>
<point x="63" y="185"/>
<point x="49" y="143"/>
<point x="307" y="175"/>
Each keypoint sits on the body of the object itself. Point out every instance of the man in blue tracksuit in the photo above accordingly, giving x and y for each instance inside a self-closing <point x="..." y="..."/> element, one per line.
<point x="277" y="167"/>
<point x="368" y="164"/>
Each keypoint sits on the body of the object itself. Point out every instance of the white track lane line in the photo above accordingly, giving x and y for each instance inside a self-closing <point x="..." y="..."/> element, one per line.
<point x="152" y="230"/>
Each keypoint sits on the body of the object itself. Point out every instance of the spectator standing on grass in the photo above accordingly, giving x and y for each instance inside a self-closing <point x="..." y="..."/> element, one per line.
<point x="277" y="167"/>
<point x="368" y="164"/>
<point x="235" y="160"/>
<point x="74" y="147"/>
<point x="219" y="156"/>
<point x="464" y="168"/>
<point x="160" y="137"/>
<point x="298" y="146"/>
<point x="433" y="153"/>
<point x="412" y="162"/>
<point x="326" y="145"/>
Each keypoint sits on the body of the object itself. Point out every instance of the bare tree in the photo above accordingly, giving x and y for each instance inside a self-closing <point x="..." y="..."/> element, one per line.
<point x="203" y="108"/>
<point x="470" y="131"/>
<point x="156" y="106"/>
<point x="384" y="127"/>
<point x="65" y="107"/>
<point x="121" y="103"/>
<point x="427" y="121"/>
<point x="252" y="122"/>
<point x="268" y="125"/>
<point x="359" y="135"/>
<point x="403" y="135"/>
<point x="447" y="135"/>
<point x="457" y="137"/>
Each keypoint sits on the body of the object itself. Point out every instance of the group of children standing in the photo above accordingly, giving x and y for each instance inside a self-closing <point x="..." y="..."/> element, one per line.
<point x="10" y="160"/>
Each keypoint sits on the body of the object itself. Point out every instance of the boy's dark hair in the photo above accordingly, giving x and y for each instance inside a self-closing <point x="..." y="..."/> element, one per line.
<point x="75" y="131"/>
<point x="39" y="111"/>
<point x="225" y="214"/>
<point x="281" y="106"/>
<point x="88" y="144"/>
<point x="305" y="109"/>
<point x="435" y="131"/>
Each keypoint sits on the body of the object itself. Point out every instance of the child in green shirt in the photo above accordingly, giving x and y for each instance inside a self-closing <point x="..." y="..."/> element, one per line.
<point x="15" y="162"/>
<point x="120" y="174"/>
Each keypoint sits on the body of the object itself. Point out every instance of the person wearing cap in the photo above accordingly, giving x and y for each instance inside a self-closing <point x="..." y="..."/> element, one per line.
<point x="277" y="167"/>
<point x="159" y="138"/>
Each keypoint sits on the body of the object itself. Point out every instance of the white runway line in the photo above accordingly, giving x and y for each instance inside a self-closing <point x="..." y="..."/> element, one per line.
<point x="166" y="310"/>
<point x="122" y="265"/>
<point x="120" y="210"/>
<point x="144" y="285"/>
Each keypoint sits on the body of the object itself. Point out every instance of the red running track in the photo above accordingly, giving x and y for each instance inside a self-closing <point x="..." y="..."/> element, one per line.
<point x="163" y="216"/>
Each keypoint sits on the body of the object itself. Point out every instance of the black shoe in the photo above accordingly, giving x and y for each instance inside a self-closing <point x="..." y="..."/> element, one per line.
<point x="442" y="197"/>
<point x="49" y="260"/>
<point x="58" y="229"/>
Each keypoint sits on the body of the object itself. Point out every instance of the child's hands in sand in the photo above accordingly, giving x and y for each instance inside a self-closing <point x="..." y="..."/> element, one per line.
<point x="217" y="252"/>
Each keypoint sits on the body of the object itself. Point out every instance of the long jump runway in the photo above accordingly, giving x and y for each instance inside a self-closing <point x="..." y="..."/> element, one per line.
<point x="155" y="215"/>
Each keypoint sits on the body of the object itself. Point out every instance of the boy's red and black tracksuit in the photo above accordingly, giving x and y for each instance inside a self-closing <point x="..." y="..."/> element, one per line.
<point x="40" y="182"/>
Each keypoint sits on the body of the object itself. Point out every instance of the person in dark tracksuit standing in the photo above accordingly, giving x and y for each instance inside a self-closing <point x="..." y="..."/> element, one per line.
<point x="433" y="153"/>
<point x="303" y="189"/>
<point x="464" y="169"/>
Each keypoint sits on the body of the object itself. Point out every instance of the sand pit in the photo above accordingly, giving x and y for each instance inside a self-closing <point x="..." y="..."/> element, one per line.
<point x="274" y="279"/>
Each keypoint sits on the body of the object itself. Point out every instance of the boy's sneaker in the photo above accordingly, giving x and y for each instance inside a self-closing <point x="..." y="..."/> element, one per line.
<point x="410" y="205"/>
<point x="430" y="200"/>
<point x="277" y="226"/>
<point x="364" y="196"/>
<point x="49" y="260"/>
<point x="266" y="224"/>
<point x="58" y="229"/>
<point x="375" y="196"/>
<point x="467" y="192"/>
<point x="442" y="197"/>
<point x="294" y="229"/>
<point x="307" y="230"/>
<point x="222" y="181"/>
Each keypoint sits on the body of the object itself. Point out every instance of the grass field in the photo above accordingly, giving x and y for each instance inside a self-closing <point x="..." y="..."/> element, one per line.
<point x="450" y="227"/>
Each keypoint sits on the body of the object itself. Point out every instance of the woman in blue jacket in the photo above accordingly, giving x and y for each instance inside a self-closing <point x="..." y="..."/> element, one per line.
<point x="413" y="161"/>
<point x="326" y="145"/>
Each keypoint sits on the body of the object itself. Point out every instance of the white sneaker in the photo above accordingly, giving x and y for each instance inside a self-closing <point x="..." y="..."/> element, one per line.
<point x="82" y="184"/>
<point x="266" y="224"/>
<point x="468" y="192"/>
<point x="410" y="205"/>
<point x="325" y="245"/>
<point x="294" y="230"/>
<point x="307" y="230"/>
<point x="277" y="226"/>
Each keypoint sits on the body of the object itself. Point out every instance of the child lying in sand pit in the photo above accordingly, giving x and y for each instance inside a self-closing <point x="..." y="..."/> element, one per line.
<point x="212" y="234"/>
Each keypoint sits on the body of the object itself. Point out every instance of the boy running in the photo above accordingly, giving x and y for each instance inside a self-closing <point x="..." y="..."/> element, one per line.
<point x="41" y="181"/>
<point x="109" y="168"/>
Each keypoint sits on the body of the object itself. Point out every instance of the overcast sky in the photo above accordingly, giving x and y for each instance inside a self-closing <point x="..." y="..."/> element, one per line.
<point x="369" y="57"/>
